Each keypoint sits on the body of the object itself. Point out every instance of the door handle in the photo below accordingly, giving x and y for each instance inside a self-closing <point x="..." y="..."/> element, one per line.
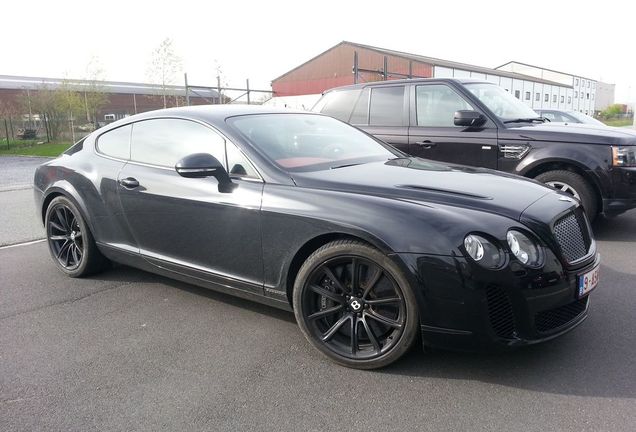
<point x="129" y="182"/>
<point x="427" y="144"/>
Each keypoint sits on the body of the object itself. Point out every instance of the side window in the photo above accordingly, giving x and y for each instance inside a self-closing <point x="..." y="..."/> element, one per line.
<point x="550" y="116"/>
<point x="164" y="141"/>
<point x="360" y="115"/>
<point x="340" y="104"/>
<point x="115" y="143"/>
<point x="237" y="163"/>
<point x="436" y="105"/>
<point x="387" y="106"/>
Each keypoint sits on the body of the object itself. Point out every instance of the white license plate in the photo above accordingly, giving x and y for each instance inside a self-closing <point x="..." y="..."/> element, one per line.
<point x="588" y="281"/>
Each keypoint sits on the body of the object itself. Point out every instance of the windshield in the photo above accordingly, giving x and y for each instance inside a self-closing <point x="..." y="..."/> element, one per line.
<point x="309" y="142"/>
<point x="500" y="102"/>
<point x="585" y="118"/>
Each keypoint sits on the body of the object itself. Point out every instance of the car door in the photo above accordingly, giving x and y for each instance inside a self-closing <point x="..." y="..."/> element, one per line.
<point x="433" y="134"/>
<point x="383" y="112"/>
<point x="186" y="224"/>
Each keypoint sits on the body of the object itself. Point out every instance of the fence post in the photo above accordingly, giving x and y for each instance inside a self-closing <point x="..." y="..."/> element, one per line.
<point x="6" y="132"/>
<point x="11" y="127"/>
<point x="218" y="87"/>
<point x="247" y="86"/>
<point x="185" y="77"/>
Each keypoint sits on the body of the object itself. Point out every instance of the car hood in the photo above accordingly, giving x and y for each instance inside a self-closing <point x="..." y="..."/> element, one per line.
<point x="426" y="182"/>
<point x="571" y="132"/>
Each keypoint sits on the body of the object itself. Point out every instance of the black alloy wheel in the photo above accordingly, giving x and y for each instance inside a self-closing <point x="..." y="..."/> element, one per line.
<point x="65" y="237"/>
<point x="352" y="307"/>
<point x="70" y="241"/>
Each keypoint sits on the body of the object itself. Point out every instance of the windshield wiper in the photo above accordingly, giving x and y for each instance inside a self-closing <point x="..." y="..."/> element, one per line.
<point x="527" y="120"/>
<point x="346" y="165"/>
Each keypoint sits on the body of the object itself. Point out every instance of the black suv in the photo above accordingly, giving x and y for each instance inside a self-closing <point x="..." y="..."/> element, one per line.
<point x="478" y="123"/>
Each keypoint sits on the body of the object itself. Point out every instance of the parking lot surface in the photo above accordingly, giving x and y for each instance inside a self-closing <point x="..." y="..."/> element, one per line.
<point x="127" y="350"/>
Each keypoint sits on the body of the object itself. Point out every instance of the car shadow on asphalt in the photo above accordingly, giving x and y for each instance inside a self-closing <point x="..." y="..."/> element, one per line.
<point x="620" y="228"/>
<point x="595" y="359"/>
<point x="123" y="273"/>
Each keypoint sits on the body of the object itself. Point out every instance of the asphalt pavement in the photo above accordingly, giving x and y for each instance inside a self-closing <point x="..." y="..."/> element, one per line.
<point x="128" y="350"/>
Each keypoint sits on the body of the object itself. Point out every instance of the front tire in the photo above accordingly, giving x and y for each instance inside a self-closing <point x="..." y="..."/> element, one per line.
<point x="355" y="306"/>
<point x="572" y="184"/>
<point x="71" y="243"/>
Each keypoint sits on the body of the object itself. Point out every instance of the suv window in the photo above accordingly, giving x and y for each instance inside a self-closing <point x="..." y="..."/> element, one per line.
<point x="338" y="104"/>
<point x="164" y="142"/>
<point x="360" y="115"/>
<point x="387" y="106"/>
<point x="115" y="143"/>
<point x="436" y="105"/>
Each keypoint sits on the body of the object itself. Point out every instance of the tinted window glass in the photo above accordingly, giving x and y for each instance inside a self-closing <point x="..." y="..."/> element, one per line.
<point x="387" y="106"/>
<point x="340" y="104"/>
<point x="164" y="141"/>
<point x="436" y="105"/>
<point x="309" y="142"/>
<point x="115" y="143"/>
<point x="237" y="163"/>
<point x="360" y="115"/>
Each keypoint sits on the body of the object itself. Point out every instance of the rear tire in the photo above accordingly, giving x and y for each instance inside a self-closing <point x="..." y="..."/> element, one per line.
<point x="575" y="185"/>
<point x="71" y="243"/>
<point x="355" y="306"/>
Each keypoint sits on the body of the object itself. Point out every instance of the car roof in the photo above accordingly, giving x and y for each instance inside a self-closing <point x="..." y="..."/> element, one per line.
<point x="411" y="81"/>
<point x="213" y="114"/>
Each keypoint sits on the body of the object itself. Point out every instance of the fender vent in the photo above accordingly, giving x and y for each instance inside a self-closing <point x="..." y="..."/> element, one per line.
<point x="514" y="151"/>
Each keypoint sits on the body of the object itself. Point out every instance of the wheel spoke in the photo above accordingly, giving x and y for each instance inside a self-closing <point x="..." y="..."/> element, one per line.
<point x="59" y="212"/>
<point x="67" y="258"/>
<point x="333" y="277"/>
<point x="370" y="334"/>
<point x="370" y="284"/>
<point x="78" y="234"/>
<point x="74" y="249"/>
<point x="63" y="249"/>
<point x="57" y="226"/>
<point x="326" y="293"/>
<point x="326" y="337"/>
<point x="59" y="237"/>
<point x="382" y="301"/>
<point x="382" y="319"/>
<point x="325" y="312"/>
<point x="354" y="335"/>
<point x="79" y="251"/>
<point x="355" y="274"/>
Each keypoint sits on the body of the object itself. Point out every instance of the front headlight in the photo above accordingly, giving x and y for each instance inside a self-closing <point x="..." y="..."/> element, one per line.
<point x="624" y="156"/>
<point x="483" y="251"/>
<point x="524" y="249"/>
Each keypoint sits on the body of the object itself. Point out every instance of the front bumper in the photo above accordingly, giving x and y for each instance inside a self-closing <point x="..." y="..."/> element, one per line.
<point x="623" y="193"/>
<point x="463" y="309"/>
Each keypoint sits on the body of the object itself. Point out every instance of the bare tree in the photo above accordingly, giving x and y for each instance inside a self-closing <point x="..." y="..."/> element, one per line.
<point x="95" y="96"/>
<point x="163" y="68"/>
<point x="57" y="106"/>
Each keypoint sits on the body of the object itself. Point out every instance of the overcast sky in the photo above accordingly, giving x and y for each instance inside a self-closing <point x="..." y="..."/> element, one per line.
<point x="261" y="40"/>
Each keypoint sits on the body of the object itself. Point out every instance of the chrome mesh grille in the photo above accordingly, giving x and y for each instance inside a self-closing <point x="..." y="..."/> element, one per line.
<point x="572" y="235"/>
<point x="500" y="312"/>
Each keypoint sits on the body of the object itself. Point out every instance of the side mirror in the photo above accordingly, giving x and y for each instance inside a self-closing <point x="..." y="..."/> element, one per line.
<point x="469" y="118"/>
<point x="200" y="165"/>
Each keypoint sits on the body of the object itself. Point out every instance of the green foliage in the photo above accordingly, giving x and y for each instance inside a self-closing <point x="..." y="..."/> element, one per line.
<point x="61" y="106"/>
<point x="49" y="149"/>
<point x="612" y="111"/>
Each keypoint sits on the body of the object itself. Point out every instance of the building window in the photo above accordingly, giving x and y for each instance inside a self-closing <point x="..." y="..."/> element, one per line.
<point x="507" y="90"/>
<point x="582" y="83"/>
<point x="588" y="84"/>
<point x="547" y="98"/>
<point x="592" y="96"/>
<point x="527" y="95"/>
<point x="537" y="97"/>
<point x="554" y="98"/>
<point x="562" y="99"/>
<point x="576" y="95"/>
<point x="569" y="99"/>
<point x="576" y="82"/>
<point x="517" y="94"/>
<point x="588" y="96"/>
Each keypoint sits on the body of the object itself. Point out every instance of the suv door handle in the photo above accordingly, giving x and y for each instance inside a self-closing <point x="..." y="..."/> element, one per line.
<point x="129" y="182"/>
<point x="427" y="144"/>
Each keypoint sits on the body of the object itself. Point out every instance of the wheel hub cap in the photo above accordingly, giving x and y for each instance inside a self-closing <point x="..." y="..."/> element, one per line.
<point x="355" y="304"/>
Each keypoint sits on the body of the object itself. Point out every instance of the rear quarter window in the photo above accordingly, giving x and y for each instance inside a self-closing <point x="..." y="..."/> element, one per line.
<point x="115" y="143"/>
<point x="339" y="104"/>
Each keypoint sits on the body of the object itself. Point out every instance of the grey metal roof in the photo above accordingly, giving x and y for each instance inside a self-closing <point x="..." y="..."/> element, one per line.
<point x="435" y="62"/>
<point x="34" y="83"/>
<point x="545" y="69"/>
